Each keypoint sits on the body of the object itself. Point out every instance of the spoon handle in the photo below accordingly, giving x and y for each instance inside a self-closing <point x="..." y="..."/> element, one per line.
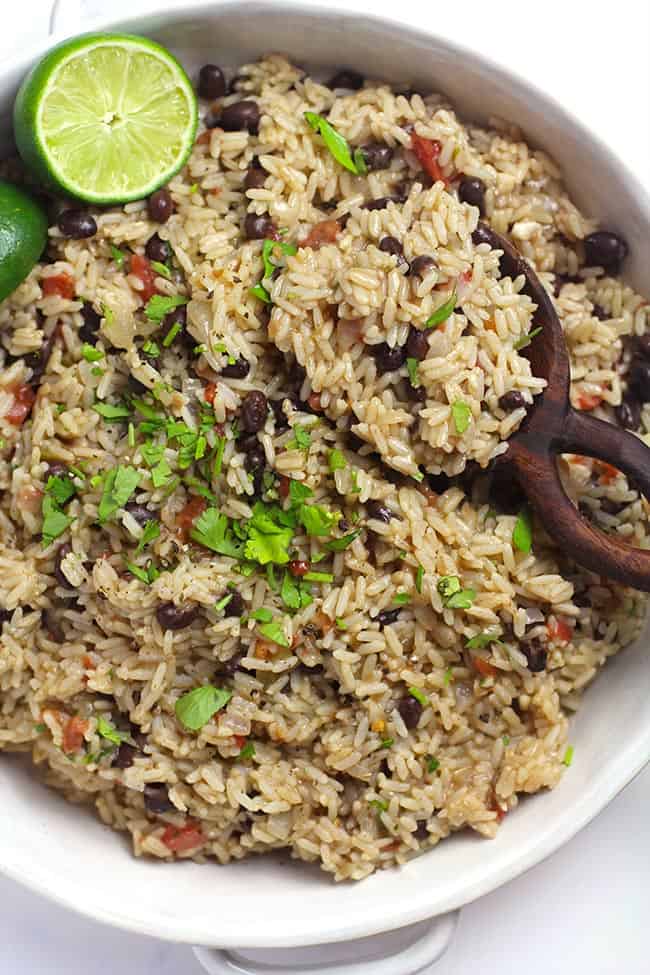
<point x="606" y="555"/>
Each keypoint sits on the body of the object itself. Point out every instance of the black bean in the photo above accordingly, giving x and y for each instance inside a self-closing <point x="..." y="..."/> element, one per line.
<point x="140" y="512"/>
<point x="639" y="379"/>
<point x="77" y="224"/>
<point x="417" y="344"/>
<point x="417" y="394"/>
<point x="628" y="414"/>
<point x="172" y="617"/>
<point x="346" y="78"/>
<point x="535" y="653"/>
<point x="562" y="279"/>
<point x="387" y="359"/>
<point x="138" y="736"/>
<point x="421" y="832"/>
<point x="599" y="312"/>
<point x="481" y="235"/>
<point x="605" y="249"/>
<point x="253" y="411"/>
<point x="91" y="322"/>
<point x="255" y="458"/>
<point x="296" y="375"/>
<point x="612" y="507"/>
<point x="420" y="266"/>
<point x="38" y="361"/>
<point x="505" y="494"/>
<point x="391" y="245"/>
<point x="240" y="116"/>
<point x="157" y="249"/>
<point x="52" y="624"/>
<point x="61" y="553"/>
<point x="512" y="400"/>
<point x="410" y="711"/>
<point x="5" y="615"/>
<point x="57" y="470"/>
<point x="124" y="756"/>
<point x="228" y="668"/>
<point x="643" y="346"/>
<point x="238" y="369"/>
<point x="259" y="226"/>
<point x="380" y="203"/>
<point x="236" y="605"/>
<point x="281" y="420"/>
<point x="439" y="482"/>
<point x="135" y="386"/>
<point x="212" y="83"/>
<point x="255" y="176"/>
<point x="387" y="616"/>
<point x="377" y="155"/>
<point x="156" y="798"/>
<point x="378" y="511"/>
<point x="160" y="205"/>
<point x="472" y="190"/>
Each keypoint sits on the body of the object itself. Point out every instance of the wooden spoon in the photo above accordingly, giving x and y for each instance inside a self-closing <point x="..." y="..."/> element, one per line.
<point x="553" y="427"/>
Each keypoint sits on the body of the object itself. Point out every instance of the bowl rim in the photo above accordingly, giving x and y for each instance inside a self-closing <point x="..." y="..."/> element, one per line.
<point x="631" y="757"/>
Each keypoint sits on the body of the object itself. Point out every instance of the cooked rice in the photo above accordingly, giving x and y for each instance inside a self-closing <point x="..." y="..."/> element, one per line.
<point x="336" y="776"/>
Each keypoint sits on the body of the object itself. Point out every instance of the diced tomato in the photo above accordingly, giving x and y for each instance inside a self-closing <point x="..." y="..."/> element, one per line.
<point x="189" y="837"/>
<point x="209" y="392"/>
<point x="501" y="813"/>
<point x="21" y="407"/>
<point x="484" y="667"/>
<point x="314" y="402"/>
<point x="608" y="472"/>
<point x="427" y="152"/>
<point x="59" y="284"/>
<point x="559" y="631"/>
<point x="142" y="269"/>
<point x="240" y="741"/>
<point x="284" y="486"/>
<point x="321" y="233"/>
<point x="588" y="401"/>
<point x="188" y="515"/>
<point x="73" y="734"/>
<point x="88" y="662"/>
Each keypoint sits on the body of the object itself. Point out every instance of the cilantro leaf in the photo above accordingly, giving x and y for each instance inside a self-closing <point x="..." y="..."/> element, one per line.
<point x="55" y="521"/>
<point x="419" y="577"/>
<point x="339" y="544"/>
<point x="247" y="751"/>
<point x="301" y="438"/>
<point x="419" y="696"/>
<point x="150" y="533"/>
<point x="412" y="368"/>
<point x="318" y="577"/>
<point x="274" y="631"/>
<point x="61" y="489"/>
<point x="90" y="353"/>
<point x="151" y="348"/>
<point x="315" y="519"/>
<point x="525" y="340"/>
<point x="401" y="599"/>
<point x="462" y="599"/>
<point x="442" y="313"/>
<point x="195" y="708"/>
<point x="261" y="615"/>
<point x="269" y="535"/>
<point x="213" y="530"/>
<point x="223" y="602"/>
<point x="337" y="145"/>
<point x="118" y="256"/>
<point x="483" y="639"/>
<point x="112" y="412"/>
<point x="432" y="765"/>
<point x="106" y="730"/>
<point x="160" y="305"/>
<point x="161" y="473"/>
<point x="119" y="485"/>
<point x="336" y="460"/>
<point x="447" y="585"/>
<point x="294" y="594"/>
<point x="299" y="491"/>
<point x="522" y="535"/>
<point x="461" y="414"/>
<point x="161" y="269"/>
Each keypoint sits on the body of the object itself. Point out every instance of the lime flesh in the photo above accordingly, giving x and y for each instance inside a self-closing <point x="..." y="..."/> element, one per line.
<point x="23" y="235"/>
<point x="106" y="118"/>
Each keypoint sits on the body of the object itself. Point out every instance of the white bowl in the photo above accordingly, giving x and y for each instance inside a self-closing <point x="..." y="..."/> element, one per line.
<point x="62" y="851"/>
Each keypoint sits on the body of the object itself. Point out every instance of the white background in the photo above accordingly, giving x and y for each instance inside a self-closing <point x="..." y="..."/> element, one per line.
<point x="587" y="909"/>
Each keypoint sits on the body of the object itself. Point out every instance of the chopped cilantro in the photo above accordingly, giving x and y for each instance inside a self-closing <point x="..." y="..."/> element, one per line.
<point x="161" y="269"/>
<point x="274" y="631"/>
<point x="506" y="740"/>
<point x="90" y="353"/>
<point x="270" y="531"/>
<point x="118" y="256"/>
<point x="55" y="521"/>
<point x="61" y="489"/>
<point x="432" y="765"/>
<point x="461" y="414"/>
<point x="419" y="577"/>
<point x="109" y="732"/>
<point x="354" y="477"/>
<point x="448" y="677"/>
<point x="339" y="544"/>
<point x="197" y="707"/>
<point x="247" y="751"/>
<point x="388" y="743"/>
<point x="452" y="595"/>
<point x="112" y="412"/>
<point x="442" y="313"/>
<point x="215" y="531"/>
<point x="150" y="533"/>
<point x="262" y="615"/>
<point x="131" y="435"/>
<point x="151" y="348"/>
<point x="401" y="598"/>
<point x="568" y="756"/>
<point x="301" y="438"/>
<point x="148" y="575"/>
<point x="171" y="334"/>
<point x="294" y="595"/>
<point x="412" y="368"/>
<point x="119" y="485"/>
<point x="298" y="491"/>
<point x="160" y="305"/>
<point x="161" y="473"/>
<point x="379" y="804"/>
<point x="419" y="696"/>
<point x="336" y="460"/>
<point x="522" y="535"/>
<point x="218" y="457"/>
<point x="340" y="623"/>
<point x="40" y="728"/>
<point x="337" y="145"/>
<point x="525" y="340"/>
<point x="223" y="602"/>
<point x="315" y="519"/>
<point x="318" y="577"/>
<point x="484" y="639"/>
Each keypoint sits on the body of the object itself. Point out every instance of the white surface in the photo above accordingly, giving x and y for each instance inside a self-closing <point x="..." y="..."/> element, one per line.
<point x="585" y="909"/>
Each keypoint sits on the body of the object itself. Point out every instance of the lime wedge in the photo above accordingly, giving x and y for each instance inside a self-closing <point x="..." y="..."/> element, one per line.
<point x="23" y="235"/>
<point x="106" y="118"/>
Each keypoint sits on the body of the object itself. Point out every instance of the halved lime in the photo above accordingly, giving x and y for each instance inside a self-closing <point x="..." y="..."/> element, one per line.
<point x="23" y="235"/>
<point x="106" y="118"/>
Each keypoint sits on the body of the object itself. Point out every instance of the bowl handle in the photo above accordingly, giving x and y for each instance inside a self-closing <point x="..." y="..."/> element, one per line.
<point x="425" y="949"/>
